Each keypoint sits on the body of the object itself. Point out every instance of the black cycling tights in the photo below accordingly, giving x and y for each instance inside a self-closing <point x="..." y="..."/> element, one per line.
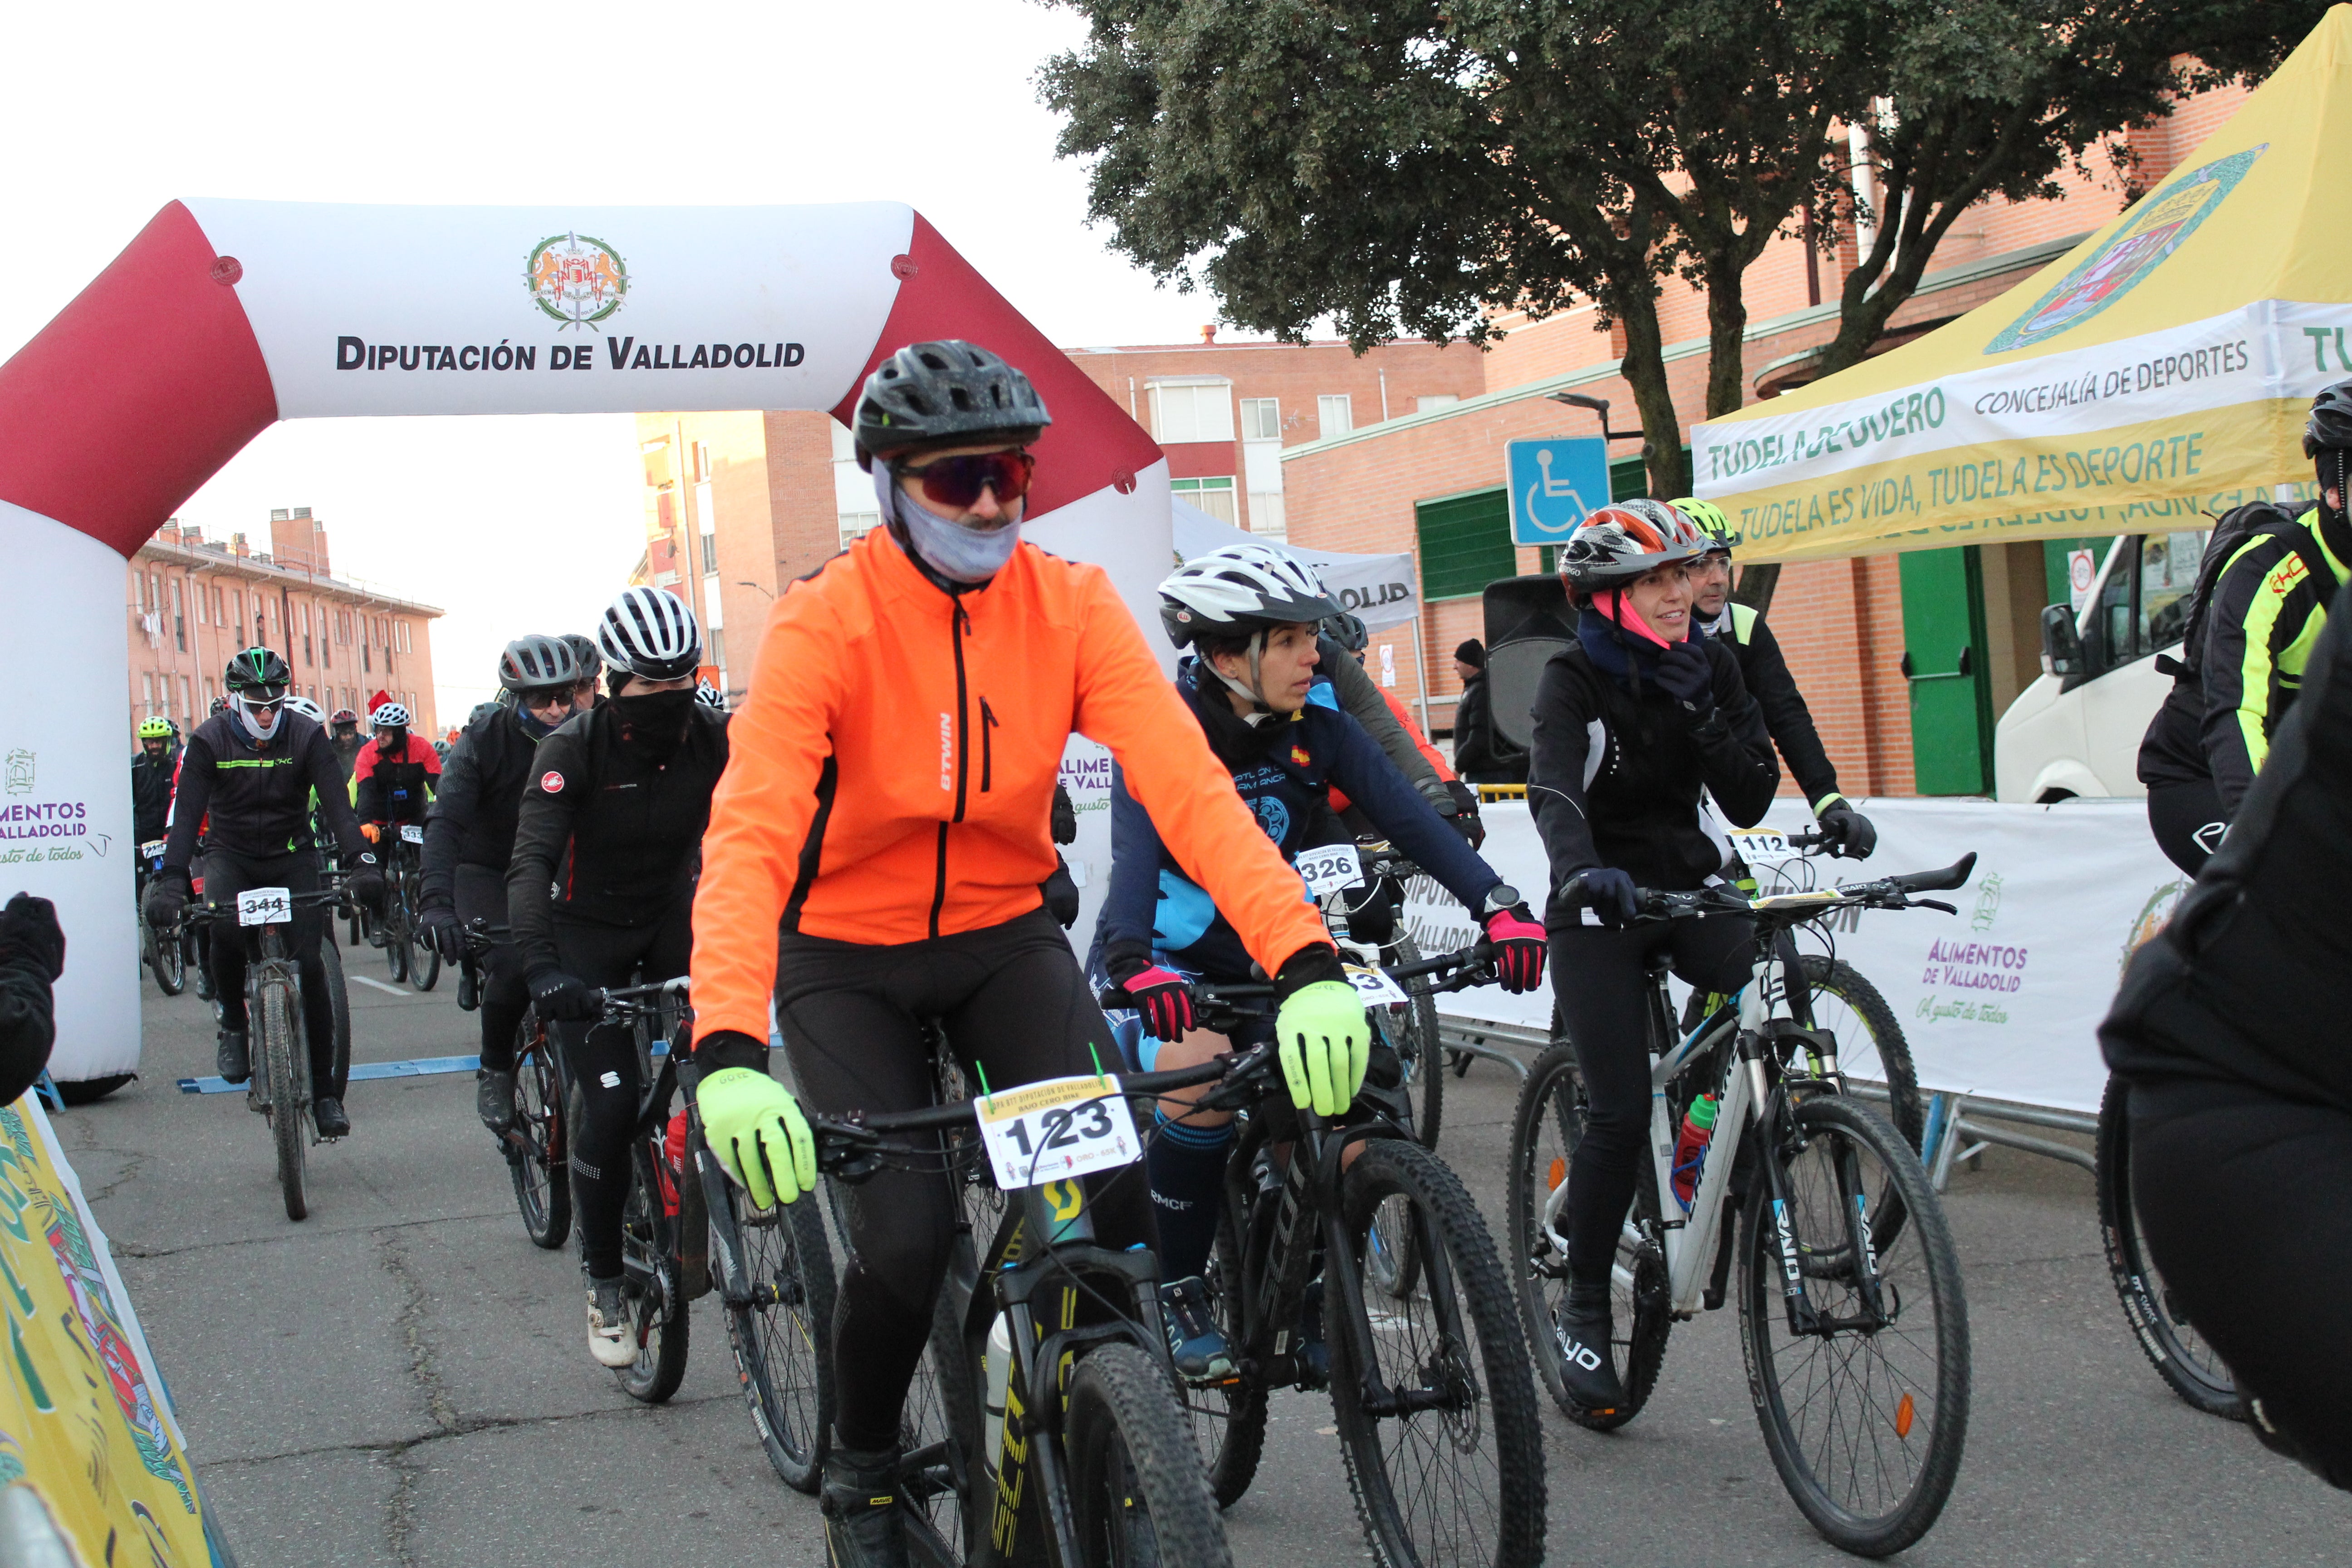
<point x="1011" y="997"/>
<point x="599" y="1063"/>
<point x="1601" y="979"/>
<point x="225" y="876"/>
<point x="2187" y="821"/>
<point x="481" y="894"/>
<point x="2246" y="1202"/>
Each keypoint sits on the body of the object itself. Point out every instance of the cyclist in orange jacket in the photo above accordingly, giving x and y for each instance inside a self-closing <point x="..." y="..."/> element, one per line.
<point x="886" y="805"/>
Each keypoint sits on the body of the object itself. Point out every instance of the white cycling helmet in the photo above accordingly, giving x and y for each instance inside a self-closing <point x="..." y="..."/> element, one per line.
<point x="304" y="707"/>
<point x="709" y="696"/>
<point x="651" y="635"/>
<point x="390" y="716"/>
<point x="1240" y="591"/>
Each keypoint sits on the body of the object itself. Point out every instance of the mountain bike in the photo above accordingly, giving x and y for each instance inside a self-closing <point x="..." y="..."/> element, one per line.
<point x="1410" y="1029"/>
<point x="281" y="1088"/>
<point x="408" y="951"/>
<point x="1854" y="1323"/>
<point x="533" y="1142"/>
<point x="1420" y="1346"/>
<point x="664" y="1237"/>
<point x="164" y="955"/>
<point x="2171" y="1344"/>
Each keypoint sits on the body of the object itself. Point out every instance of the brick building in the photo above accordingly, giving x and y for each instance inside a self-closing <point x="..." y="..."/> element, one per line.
<point x="191" y="603"/>
<point x="1432" y="481"/>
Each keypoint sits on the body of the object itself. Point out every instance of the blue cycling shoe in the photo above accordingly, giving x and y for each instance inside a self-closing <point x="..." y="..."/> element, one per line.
<point x="1195" y="1344"/>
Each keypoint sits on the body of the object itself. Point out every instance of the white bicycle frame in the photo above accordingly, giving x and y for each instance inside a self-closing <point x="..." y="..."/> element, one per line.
<point x="1690" y="1239"/>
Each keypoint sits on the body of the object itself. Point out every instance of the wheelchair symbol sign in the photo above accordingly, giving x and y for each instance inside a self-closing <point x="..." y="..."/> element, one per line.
<point x="1553" y="484"/>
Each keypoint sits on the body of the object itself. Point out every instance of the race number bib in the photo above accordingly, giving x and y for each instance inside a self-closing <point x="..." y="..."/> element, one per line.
<point x="410" y="833"/>
<point x="152" y="850"/>
<point x="1331" y="867"/>
<point x="265" y="907"/>
<point x="1375" y="987"/>
<point x="1061" y="1128"/>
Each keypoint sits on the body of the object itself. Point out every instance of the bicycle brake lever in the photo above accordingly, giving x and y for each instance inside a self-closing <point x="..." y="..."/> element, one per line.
<point x="1929" y="904"/>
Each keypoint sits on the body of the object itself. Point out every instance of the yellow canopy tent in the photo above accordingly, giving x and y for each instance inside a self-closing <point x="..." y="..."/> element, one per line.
<point x="2159" y="370"/>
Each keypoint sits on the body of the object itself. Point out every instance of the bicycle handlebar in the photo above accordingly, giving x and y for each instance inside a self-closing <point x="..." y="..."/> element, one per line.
<point x="1472" y="965"/>
<point x="1885" y="893"/>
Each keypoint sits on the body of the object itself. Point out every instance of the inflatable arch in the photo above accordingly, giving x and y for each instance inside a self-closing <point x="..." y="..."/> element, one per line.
<point x="223" y="317"/>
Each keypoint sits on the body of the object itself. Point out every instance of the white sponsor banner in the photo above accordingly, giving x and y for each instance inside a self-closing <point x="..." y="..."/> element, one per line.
<point x="2003" y="1000"/>
<point x="64" y="794"/>
<point x="1381" y="591"/>
<point x="2269" y="349"/>
<point x="563" y="310"/>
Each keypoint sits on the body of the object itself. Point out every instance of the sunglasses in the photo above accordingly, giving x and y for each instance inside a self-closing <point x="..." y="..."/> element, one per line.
<point x="958" y="481"/>
<point x="264" y="704"/>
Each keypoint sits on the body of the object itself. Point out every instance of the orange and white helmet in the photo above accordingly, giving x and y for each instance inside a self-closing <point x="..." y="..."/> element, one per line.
<point x="1617" y="544"/>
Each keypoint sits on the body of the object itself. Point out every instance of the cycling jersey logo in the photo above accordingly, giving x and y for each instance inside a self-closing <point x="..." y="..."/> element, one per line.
<point x="551" y="781"/>
<point x="1272" y="815"/>
<point x="576" y="278"/>
<point x="1298" y="754"/>
<point x="2161" y="226"/>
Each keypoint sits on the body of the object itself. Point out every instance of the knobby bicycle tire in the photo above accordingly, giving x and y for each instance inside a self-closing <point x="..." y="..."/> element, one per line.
<point x="395" y="931"/>
<point x="282" y="1037"/>
<point x="165" y="960"/>
<point x="659" y="1319"/>
<point x="1137" y="1491"/>
<point x="1487" y="1435"/>
<point x="1552" y="1099"/>
<point x="542" y="1189"/>
<point x="424" y="958"/>
<point x="2188" y="1365"/>
<point x="1859" y="1390"/>
<point x="1426" y="1077"/>
<point x="1229" y="1418"/>
<point x="1837" y="977"/>
<point x="780" y="1337"/>
<point x="338" y="1008"/>
<point x="943" y="1406"/>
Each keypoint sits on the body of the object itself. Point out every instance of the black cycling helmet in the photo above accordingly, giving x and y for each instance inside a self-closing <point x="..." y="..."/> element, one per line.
<point x="2329" y="428"/>
<point x="257" y="670"/>
<point x="534" y="663"/>
<point x="942" y="394"/>
<point x="585" y="657"/>
<point x="1348" y="631"/>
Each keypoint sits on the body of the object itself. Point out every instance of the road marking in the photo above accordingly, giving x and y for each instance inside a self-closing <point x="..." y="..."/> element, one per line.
<point x="419" y="1067"/>
<point x="395" y="990"/>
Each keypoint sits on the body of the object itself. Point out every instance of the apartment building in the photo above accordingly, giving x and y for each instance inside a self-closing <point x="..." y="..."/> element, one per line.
<point x="191" y="603"/>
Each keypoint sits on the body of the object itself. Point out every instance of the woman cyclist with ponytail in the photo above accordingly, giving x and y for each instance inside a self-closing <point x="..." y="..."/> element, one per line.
<point x="1634" y="722"/>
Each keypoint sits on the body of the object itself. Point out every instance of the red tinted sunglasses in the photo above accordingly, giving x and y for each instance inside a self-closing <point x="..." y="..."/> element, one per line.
<point x="958" y="481"/>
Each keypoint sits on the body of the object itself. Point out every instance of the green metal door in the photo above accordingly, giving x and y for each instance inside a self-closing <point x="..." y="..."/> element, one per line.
<point x="1944" y="658"/>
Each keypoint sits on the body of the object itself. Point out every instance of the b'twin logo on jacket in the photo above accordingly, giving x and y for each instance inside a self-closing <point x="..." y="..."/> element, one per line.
<point x="551" y="781"/>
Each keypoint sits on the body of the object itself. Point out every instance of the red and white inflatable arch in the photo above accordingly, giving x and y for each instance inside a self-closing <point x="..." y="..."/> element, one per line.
<point x="222" y="316"/>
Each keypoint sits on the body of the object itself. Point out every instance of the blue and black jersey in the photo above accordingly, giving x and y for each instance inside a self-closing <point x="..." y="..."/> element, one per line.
<point x="1285" y="769"/>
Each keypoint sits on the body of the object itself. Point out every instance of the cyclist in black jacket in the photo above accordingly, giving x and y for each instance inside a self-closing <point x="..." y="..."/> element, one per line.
<point x="150" y="779"/>
<point x="469" y="845"/>
<point x="2241" y="1090"/>
<point x="1632" y="721"/>
<point x="601" y="893"/>
<point x="1766" y="675"/>
<point x="253" y="773"/>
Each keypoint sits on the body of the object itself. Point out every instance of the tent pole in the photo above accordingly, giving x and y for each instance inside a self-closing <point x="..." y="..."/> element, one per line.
<point x="1420" y="674"/>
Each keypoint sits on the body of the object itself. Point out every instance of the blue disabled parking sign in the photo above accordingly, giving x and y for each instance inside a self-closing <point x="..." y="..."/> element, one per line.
<point x="1554" y="484"/>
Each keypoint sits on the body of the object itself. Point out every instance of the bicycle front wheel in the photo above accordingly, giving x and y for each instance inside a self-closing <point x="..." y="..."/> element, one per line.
<point x="1545" y="1131"/>
<point x="1855" y="1329"/>
<point x="1137" y="1493"/>
<point x="393" y="930"/>
<point x="1448" y="1467"/>
<point x="424" y="958"/>
<point x="543" y="1191"/>
<point x="1415" y="1036"/>
<point x="780" y="1332"/>
<point x="166" y="962"/>
<point x="1870" y="1041"/>
<point x="2172" y="1345"/>
<point x="282" y="1037"/>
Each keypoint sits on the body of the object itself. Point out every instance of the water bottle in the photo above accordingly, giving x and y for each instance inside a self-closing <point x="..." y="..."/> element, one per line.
<point x="1690" y="1149"/>
<point x="999" y="1373"/>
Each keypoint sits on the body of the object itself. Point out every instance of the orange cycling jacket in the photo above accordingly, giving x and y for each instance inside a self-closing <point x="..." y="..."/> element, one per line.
<point x="892" y="770"/>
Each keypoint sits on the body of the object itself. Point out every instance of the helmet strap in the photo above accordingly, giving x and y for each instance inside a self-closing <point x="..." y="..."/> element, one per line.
<point x="1254" y="689"/>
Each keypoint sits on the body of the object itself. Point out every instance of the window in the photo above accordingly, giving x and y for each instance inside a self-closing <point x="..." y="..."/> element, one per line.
<point x="709" y="554"/>
<point x="706" y="521"/>
<point x="1465" y="544"/>
<point x="1435" y="400"/>
<point x="1214" y="497"/>
<point x="1192" y="412"/>
<point x="179" y="618"/>
<point x="701" y="461"/>
<point x="1260" y="419"/>
<point x="188" y="710"/>
<point x="147" y="691"/>
<point x="1266" y="515"/>
<point x="857" y="525"/>
<point x="209" y="693"/>
<point x="138" y="594"/>
<point x="844" y="444"/>
<point x="197" y="591"/>
<point x="405" y="646"/>
<point x="1336" y="416"/>
<point x="714" y="648"/>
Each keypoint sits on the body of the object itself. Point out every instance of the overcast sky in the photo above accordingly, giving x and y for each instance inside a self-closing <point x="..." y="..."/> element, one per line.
<point x="515" y="524"/>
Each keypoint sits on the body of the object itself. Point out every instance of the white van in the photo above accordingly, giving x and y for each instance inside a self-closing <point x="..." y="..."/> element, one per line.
<point x="2076" y="730"/>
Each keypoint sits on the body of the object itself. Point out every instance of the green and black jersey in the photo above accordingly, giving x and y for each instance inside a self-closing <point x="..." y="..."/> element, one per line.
<point x="2264" y="619"/>
<point x="259" y="795"/>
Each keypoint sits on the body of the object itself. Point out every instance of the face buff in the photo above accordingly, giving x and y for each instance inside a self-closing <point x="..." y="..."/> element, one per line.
<point x="959" y="553"/>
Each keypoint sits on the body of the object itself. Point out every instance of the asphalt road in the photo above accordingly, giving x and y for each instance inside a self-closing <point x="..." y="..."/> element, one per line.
<point x="401" y="1378"/>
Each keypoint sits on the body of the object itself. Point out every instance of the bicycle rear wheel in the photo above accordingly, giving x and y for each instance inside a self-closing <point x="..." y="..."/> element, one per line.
<point x="780" y="1334"/>
<point x="339" y="1007"/>
<point x="1229" y="1418"/>
<point x="1415" y="1036"/>
<point x="289" y="1108"/>
<point x="1452" y="1472"/>
<point x="543" y="1191"/>
<point x="2171" y="1344"/>
<point x="939" y="1434"/>
<point x="393" y="929"/>
<point x="165" y="960"/>
<point x="424" y="958"/>
<point x="1137" y="1493"/>
<point x="1545" y="1130"/>
<point x="1870" y="1041"/>
<point x="657" y="1315"/>
<point x="1863" y="1402"/>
